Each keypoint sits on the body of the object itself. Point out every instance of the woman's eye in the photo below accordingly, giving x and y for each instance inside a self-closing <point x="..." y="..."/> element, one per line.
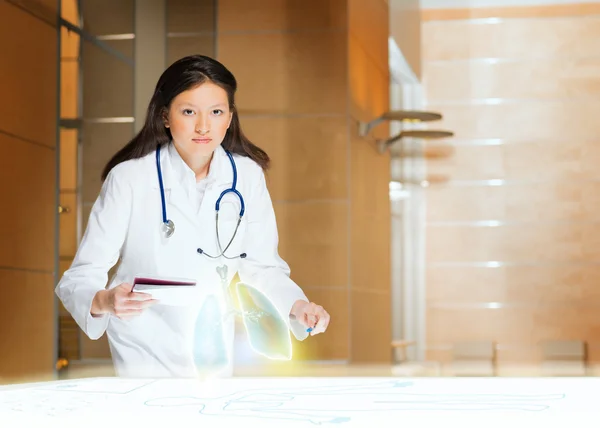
<point x="217" y="112"/>
<point x="188" y="112"/>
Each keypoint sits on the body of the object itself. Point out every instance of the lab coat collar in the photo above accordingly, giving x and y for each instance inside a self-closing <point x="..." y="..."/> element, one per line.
<point x="184" y="174"/>
<point x="177" y="173"/>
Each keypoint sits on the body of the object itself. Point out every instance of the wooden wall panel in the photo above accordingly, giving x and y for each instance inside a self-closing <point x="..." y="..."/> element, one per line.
<point x="27" y="326"/>
<point x="310" y="166"/>
<point x="288" y="72"/>
<point x="548" y="10"/>
<point x="282" y="15"/>
<point x="520" y="120"/>
<point x="29" y="69"/>
<point x="191" y="16"/>
<point x="528" y="161"/>
<point x="314" y="239"/>
<point x="568" y="242"/>
<point x="518" y="323"/>
<point x="28" y="243"/>
<point x="536" y="80"/>
<point x="179" y="47"/>
<point x="526" y="38"/>
<point x="371" y="326"/>
<point x="370" y="223"/>
<point x="551" y="282"/>
<point x="369" y="26"/>
<point x="28" y="169"/>
<point x="512" y="247"/>
<point x="552" y="200"/>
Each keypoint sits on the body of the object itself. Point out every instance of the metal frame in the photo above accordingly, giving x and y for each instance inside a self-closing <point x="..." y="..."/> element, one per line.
<point x="95" y="40"/>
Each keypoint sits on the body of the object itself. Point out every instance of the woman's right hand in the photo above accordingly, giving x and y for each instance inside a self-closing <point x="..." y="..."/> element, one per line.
<point x="121" y="302"/>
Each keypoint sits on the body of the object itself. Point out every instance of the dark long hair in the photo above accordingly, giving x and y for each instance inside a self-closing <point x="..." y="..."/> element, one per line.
<point x="187" y="73"/>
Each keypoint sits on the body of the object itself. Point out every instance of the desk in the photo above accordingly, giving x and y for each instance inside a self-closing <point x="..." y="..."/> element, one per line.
<point x="302" y="402"/>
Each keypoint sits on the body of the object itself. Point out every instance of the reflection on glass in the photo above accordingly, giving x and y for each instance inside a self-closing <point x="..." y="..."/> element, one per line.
<point x="108" y="17"/>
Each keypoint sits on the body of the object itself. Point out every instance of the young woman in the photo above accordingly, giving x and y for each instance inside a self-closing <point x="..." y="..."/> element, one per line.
<point x="186" y="198"/>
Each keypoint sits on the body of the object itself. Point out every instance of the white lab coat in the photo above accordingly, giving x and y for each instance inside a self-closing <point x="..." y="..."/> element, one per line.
<point x="125" y="224"/>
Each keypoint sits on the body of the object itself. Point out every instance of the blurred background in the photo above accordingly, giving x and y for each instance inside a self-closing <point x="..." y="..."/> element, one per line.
<point x="434" y="171"/>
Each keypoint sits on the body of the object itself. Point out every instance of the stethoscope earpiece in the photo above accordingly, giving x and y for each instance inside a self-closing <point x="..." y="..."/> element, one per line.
<point x="201" y="251"/>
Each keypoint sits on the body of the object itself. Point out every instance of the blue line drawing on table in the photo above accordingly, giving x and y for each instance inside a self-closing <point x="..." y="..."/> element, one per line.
<point x="100" y="385"/>
<point x="49" y="403"/>
<point x="67" y="397"/>
<point x="337" y="404"/>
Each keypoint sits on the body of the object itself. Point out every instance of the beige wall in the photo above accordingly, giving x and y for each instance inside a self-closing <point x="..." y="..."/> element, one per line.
<point x="308" y="71"/>
<point x="405" y="28"/>
<point x="27" y="171"/>
<point x="529" y="119"/>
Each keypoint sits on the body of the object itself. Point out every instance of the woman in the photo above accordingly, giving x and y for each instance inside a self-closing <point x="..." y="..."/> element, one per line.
<point x="156" y="215"/>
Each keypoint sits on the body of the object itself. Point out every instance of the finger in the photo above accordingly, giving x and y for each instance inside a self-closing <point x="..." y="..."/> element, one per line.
<point x="322" y="324"/>
<point x="128" y="313"/>
<point x="127" y="304"/>
<point x="322" y="321"/>
<point x="136" y="295"/>
<point x="310" y="320"/>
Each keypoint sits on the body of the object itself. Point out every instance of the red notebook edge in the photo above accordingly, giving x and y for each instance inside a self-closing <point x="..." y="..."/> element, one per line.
<point x="148" y="280"/>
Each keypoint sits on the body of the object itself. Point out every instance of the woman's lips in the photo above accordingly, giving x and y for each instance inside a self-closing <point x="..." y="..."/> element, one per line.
<point x="202" y="140"/>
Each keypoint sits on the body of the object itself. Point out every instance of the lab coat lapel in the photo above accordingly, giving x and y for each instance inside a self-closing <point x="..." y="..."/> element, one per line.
<point x="180" y="201"/>
<point x="176" y="197"/>
<point x="223" y="180"/>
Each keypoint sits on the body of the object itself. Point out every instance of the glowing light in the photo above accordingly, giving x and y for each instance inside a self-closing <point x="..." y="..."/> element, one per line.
<point x="266" y="330"/>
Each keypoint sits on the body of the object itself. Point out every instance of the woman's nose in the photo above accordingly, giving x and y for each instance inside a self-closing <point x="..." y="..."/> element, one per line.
<point x="203" y="125"/>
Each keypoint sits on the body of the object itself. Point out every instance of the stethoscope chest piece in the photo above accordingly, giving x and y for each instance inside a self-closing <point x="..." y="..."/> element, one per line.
<point x="168" y="228"/>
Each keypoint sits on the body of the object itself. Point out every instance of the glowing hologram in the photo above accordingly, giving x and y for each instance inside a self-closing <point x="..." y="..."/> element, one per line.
<point x="209" y="348"/>
<point x="267" y="332"/>
<point x="304" y="402"/>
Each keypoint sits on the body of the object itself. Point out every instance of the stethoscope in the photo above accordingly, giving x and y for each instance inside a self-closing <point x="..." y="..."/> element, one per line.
<point x="168" y="227"/>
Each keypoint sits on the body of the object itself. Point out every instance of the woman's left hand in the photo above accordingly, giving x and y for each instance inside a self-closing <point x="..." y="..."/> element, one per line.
<point x="311" y="316"/>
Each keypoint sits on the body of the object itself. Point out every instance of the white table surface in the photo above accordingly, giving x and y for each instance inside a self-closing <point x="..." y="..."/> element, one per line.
<point x="374" y="402"/>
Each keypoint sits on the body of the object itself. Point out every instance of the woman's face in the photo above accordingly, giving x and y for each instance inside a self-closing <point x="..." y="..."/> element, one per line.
<point x="198" y="120"/>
